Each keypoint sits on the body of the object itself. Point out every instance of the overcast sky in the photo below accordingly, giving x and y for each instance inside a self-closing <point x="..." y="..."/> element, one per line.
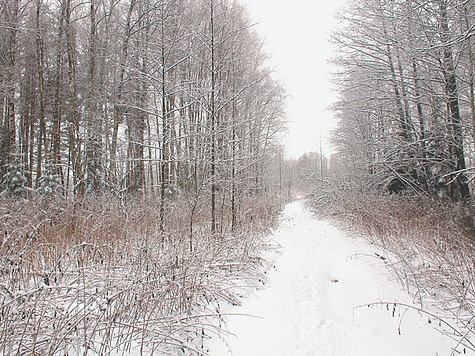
<point x="296" y="34"/>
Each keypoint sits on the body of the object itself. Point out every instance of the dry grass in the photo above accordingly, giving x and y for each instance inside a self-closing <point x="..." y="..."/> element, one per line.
<point x="429" y="245"/>
<point x="96" y="276"/>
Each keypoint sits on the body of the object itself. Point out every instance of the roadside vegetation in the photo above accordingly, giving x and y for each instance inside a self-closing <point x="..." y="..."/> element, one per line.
<point x="97" y="276"/>
<point x="427" y="244"/>
<point x="402" y="170"/>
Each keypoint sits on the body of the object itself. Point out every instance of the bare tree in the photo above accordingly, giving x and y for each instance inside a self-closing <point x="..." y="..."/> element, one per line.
<point x="399" y="75"/>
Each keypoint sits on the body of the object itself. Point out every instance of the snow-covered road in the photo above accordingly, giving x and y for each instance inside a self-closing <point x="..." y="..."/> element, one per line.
<point x="308" y="307"/>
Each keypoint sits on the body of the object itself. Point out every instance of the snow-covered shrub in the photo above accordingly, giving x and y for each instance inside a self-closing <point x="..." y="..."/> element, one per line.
<point x="97" y="275"/>
<point x="14" y="181"/>
<point x="50" y="183"/>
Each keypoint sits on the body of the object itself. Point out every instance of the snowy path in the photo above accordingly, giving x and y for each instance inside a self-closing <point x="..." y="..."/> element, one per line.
<point x="308" y="308"/>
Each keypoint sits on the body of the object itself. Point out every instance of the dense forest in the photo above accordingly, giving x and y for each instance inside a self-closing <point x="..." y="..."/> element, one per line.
<point x="140" y="163"/>
<point x="148" y="97"/>
<point x="406" y="111"/>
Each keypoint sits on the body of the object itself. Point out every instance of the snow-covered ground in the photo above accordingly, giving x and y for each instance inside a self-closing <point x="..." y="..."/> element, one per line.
<point x="308" y="308"/>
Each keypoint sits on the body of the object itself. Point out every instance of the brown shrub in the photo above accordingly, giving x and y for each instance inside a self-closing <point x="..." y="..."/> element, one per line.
<point x="429" y="245"/>
<point x="97" y="274"/>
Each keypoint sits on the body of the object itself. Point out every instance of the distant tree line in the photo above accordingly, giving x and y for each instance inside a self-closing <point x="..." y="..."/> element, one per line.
<point x="406" y="109"/>
<point x="151" y="97"/>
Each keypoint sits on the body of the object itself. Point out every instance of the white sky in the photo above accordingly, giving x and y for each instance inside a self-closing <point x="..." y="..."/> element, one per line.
<point x="296" y="34"/>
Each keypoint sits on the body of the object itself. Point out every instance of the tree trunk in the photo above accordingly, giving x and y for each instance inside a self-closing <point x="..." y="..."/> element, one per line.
<point x="213" y="120"/>
<point x="470" y="78"/>
<point x="455" y="126"/>
<point x="8" y="132"/>
<point x="118" y="106"/>
<point x="42" y="143"/>
<point x="57" y="116"/>
<point x="93" y="154"/>
<point x="73" y="114"/>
